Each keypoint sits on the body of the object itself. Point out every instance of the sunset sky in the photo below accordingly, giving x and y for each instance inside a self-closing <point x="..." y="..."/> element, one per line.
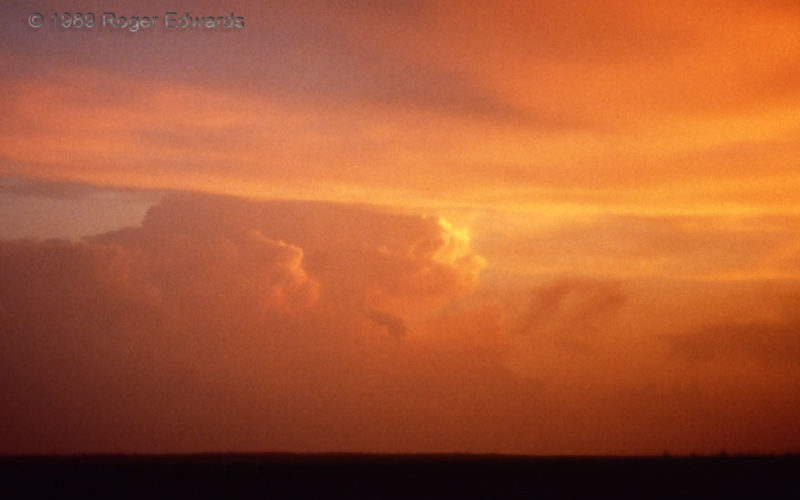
<point x="544" y="227"/>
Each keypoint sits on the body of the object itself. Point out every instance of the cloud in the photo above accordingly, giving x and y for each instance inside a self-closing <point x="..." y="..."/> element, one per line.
<point x="626" y="106"/>
<point x="391" y="262"/>
<point x="10" y="186"/>
<point x="274" y="317"/>
<point x="226" y="324"/>
<point x="768" y="341"/>
<point x="669" y="246"/>
<point x="394" y="325"/>
<point x="570" y="306"/>
<point x="305" y="52"/>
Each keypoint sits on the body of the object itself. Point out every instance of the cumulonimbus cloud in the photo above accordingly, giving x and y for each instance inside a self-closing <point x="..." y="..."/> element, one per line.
<point x="215" y="305"/>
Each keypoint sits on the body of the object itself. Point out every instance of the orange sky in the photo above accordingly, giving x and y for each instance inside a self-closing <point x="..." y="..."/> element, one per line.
<point x="529" y="227"/>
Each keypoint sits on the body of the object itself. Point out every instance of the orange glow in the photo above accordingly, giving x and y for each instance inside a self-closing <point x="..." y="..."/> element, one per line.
<point x="556" y="227"/>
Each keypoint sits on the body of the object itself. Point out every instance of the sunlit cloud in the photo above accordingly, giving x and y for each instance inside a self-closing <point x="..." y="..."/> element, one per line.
<point x="554" y="227"/>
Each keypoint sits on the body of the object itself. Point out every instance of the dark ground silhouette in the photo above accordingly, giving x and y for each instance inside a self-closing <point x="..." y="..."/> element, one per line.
<point x="396" y="476"/>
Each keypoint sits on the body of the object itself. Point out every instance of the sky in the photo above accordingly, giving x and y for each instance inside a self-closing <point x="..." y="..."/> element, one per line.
<point x="548" y="227"/>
